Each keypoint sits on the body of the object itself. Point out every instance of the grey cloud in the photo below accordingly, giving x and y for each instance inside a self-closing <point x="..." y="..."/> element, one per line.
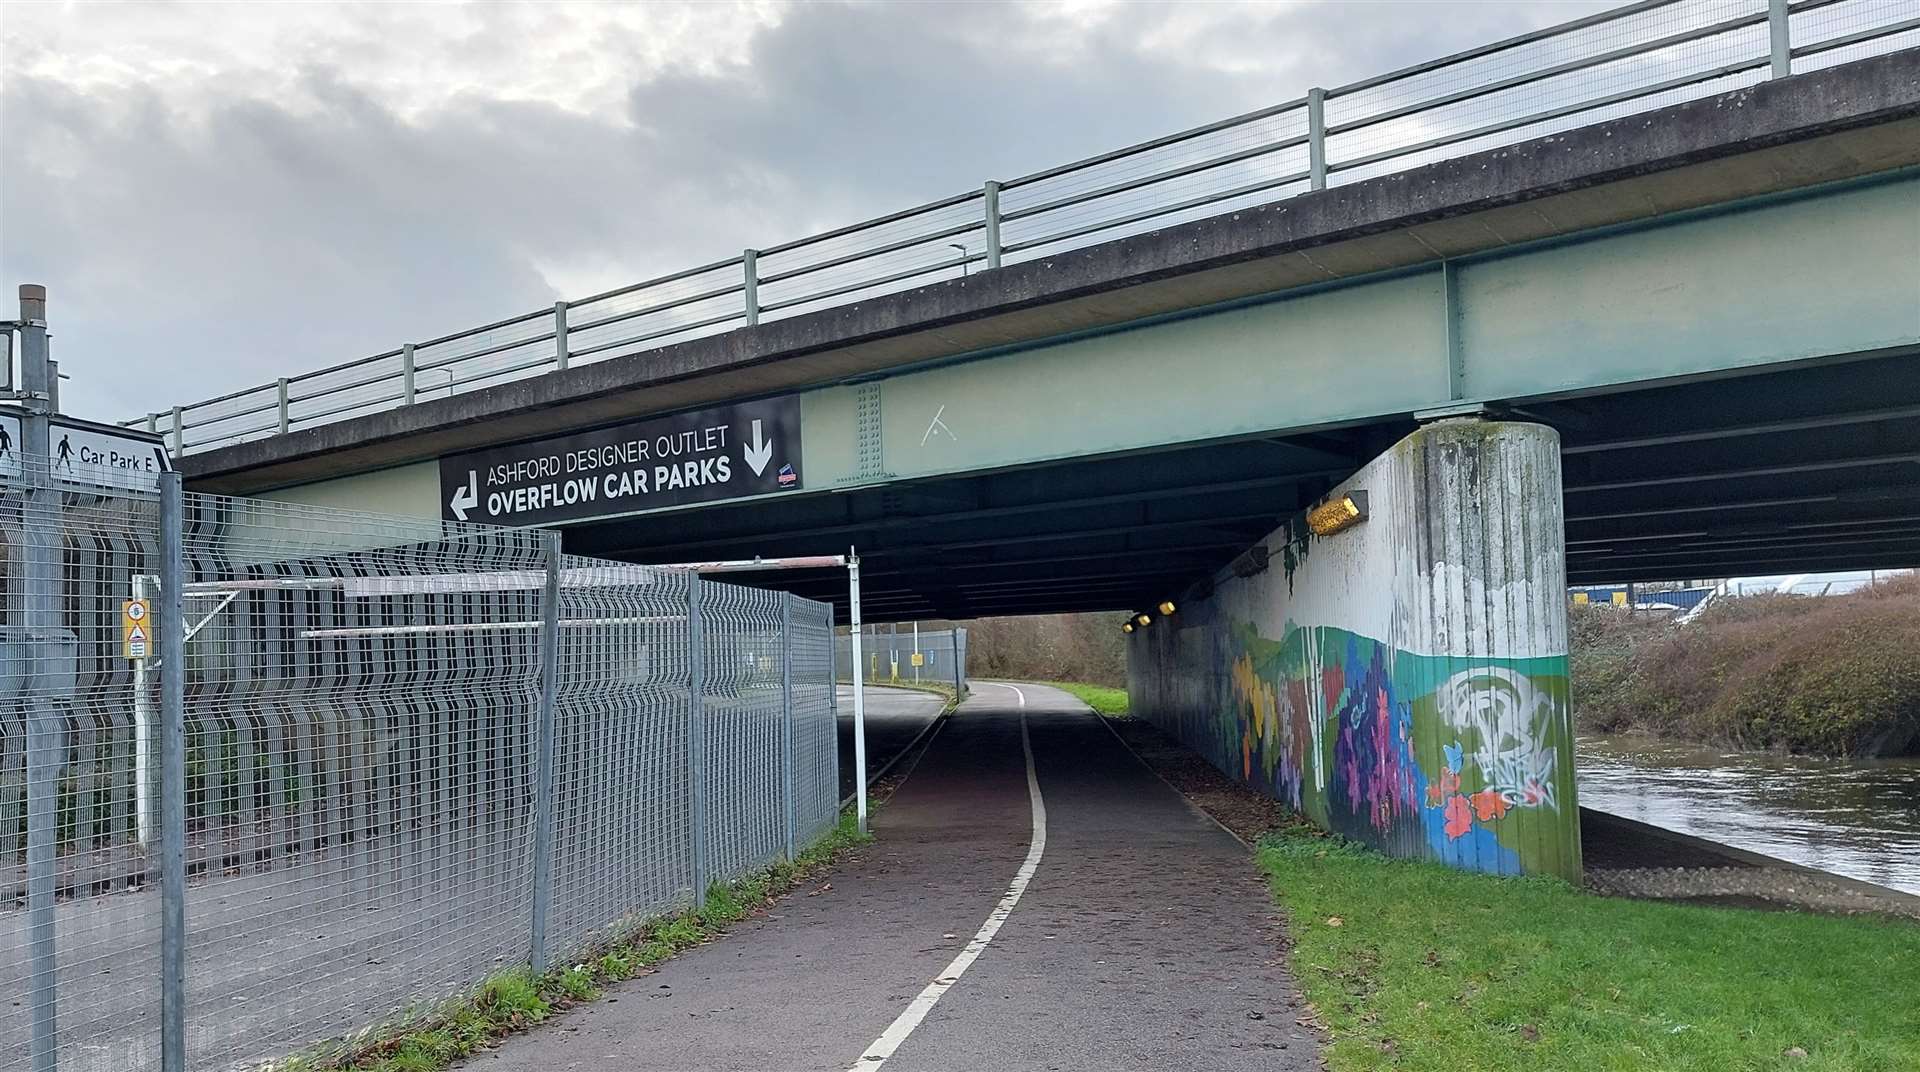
<point x="195" y="246"/>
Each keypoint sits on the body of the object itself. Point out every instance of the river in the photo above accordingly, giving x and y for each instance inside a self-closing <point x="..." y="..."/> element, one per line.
<point x="1854" y="817"/>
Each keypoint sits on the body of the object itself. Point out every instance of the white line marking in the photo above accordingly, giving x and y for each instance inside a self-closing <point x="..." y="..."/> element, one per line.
<point x="904" y="1024"/>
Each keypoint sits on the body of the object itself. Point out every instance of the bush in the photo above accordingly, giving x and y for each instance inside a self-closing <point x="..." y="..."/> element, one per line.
<point x="1831" y="675"/>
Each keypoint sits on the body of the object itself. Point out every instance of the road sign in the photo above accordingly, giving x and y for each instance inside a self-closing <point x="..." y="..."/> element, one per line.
<point x="89" y="454"/>
<point x="136" y="629"/>
<point x="726" y="452"/>
<point x="919" y="659"/>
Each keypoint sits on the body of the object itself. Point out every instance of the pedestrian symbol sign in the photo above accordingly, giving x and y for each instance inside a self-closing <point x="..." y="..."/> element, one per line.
<point x="136" y="631"/>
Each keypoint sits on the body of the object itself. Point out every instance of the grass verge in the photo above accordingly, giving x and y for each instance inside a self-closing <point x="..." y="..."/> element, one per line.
<point x="1104" y="699"/>
<point x="1415" y="966"/>
<point x="516" y="1000"/>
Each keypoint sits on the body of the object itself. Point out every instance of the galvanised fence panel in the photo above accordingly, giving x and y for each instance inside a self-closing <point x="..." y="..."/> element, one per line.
<point x="743" y="705"/>
<point x="360" y="714"/>
<point x="887" y="656"/>
<point x="816" y="752"/>
<point x="79" y="940"/>
<point x="376" y="817"/>
<point x="622" y="845"/>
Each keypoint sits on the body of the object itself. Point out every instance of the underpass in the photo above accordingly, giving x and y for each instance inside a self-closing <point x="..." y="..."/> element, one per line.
<point x="1338" y="454"/>
<point x="1136" y="936"/>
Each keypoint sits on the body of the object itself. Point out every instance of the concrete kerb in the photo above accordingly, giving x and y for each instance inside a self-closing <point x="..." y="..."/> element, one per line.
<point x="1906" y="902"/>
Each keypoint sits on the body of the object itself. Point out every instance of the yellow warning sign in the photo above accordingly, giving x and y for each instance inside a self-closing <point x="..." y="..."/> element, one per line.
<point x="136" y="629"/>
<point x="919" y="659"/>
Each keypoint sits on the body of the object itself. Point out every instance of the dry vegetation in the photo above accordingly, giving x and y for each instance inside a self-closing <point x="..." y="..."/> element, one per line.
<point x="1054" y="647"/>
<point x="1836" y="675"/>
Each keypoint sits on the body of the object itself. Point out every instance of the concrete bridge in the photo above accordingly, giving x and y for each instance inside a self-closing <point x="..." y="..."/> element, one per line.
<point x="1677" y="343"/>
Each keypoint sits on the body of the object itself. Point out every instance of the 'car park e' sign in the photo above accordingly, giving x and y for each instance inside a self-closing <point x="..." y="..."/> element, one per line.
<point x="727" y="452"/>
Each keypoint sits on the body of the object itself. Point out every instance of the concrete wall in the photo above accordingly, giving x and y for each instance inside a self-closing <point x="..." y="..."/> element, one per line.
<point x="1403" y="682"/>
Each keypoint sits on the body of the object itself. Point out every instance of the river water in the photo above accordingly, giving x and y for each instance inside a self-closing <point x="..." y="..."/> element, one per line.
<point x="1859" y="818"/>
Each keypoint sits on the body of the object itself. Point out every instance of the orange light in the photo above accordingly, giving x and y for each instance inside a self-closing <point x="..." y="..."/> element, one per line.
<point x="1336" y="514"/>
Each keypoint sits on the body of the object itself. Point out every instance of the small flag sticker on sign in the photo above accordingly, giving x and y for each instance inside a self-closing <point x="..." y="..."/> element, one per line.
<point x="135" y="629"/>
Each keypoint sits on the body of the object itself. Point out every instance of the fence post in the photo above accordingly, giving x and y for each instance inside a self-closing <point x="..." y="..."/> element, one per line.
<point x="38" y="613"/>
<point x="1782" y="45"/>
<point x="171" y="623"/>
<point x="560" y="336"/>
<point x="1317" y="137"/>
<point x="286" y="420"/>
<point x="859" y="695"/>
<point x="833" y="704"/>
<point x="990" y="194"/>
<point x="788" y="783"/>
<point x="750" y="284"/>
<point x="697" y="739"/>
<point x="543" y="756"/>
<point x="406" y="374"/>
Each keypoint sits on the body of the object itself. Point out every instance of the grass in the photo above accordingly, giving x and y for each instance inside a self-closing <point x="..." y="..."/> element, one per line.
<point x="1107" y="701"/>
<point x="1419" y="966"/>
<point x="516" y="1000"/>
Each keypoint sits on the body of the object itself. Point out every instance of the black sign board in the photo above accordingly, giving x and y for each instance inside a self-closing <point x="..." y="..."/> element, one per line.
<point x="727" y="452"/>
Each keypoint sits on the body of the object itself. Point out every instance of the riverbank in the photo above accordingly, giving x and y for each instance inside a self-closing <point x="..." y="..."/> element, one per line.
<point x="1833" y="676"/>
<point x="1854" y="817"/>
<point x="1416" y="965"/>
<point x="1420" y="966"/>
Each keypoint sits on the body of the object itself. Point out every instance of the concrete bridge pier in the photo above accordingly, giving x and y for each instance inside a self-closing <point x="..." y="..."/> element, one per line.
<point x="1393" y="664"/>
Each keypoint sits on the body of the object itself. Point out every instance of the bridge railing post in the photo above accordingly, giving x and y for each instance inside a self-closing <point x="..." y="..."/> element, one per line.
<point x="1317" y="137"/>
<point x="990" y="197"/>
<point x="1781" y="42"/>
<point x="406" y="374"/>
<point x="560" y="335"/>
<point x="179" y="432"/>
<point x="286" y="420"/>
<point x="750" y="280"/>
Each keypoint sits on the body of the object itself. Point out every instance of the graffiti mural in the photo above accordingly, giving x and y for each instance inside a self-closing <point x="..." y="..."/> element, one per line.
<point x="1465" y="761"/>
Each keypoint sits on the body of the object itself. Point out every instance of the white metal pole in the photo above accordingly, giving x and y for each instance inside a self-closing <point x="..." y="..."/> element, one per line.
<point x="916" y="660"/>
<point x="142" y="738"/>
<point x="859" y="694"/>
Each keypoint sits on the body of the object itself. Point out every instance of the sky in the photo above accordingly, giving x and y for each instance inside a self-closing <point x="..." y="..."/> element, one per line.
<point x="216" y="195"/>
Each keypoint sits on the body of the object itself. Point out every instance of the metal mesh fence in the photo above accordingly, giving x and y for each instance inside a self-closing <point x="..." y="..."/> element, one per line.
<point x="816" y="752"/>
<point x="413" y="755"/>
<point x="888" y="656"/>
<point x="742" y="722"/>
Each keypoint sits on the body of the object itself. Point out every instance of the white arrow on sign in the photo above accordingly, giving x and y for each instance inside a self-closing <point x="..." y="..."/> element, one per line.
<point x="759" y="453"/>
<point x="466" y="498"/>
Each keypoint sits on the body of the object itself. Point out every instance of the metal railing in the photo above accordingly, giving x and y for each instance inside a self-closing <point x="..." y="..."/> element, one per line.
<point x="375" y="762"/>
<point x="1631" y="59"/>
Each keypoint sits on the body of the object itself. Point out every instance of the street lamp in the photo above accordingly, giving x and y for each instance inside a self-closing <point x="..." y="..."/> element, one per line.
<point x="964" y="261"/>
